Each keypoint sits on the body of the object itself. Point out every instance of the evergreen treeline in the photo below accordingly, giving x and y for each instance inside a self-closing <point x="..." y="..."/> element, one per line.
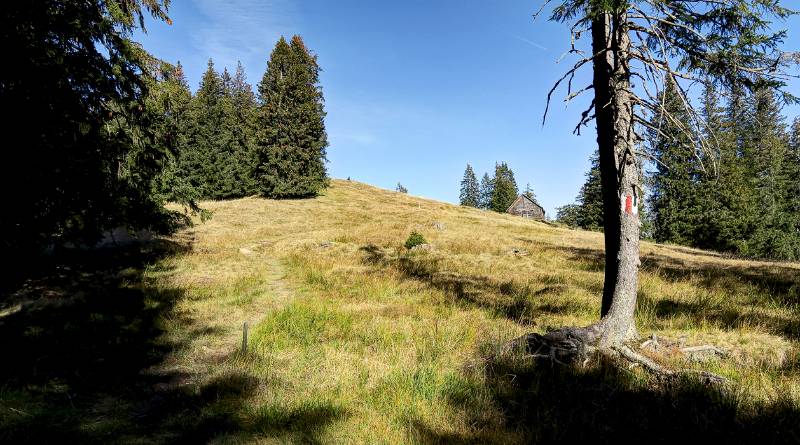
<point x="233" y="144"/>
<point x="216" y="154"/>
<point x="742" y="198"/>
<point x="748" y="205"/>
<point x="496" y="192"/>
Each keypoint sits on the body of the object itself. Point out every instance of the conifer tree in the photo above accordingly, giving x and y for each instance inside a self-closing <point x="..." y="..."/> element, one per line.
<point x="587" y="212"/>
<point x="290" y="138"/>
<point x="227" y="82"/>
<point x="791" y="206"/>
<point x="504" y="190"/>
<point x="244" y="100"/>
<point x="672" y="198"/>
<point x="400" y="188"/>
<point x="568" y="214"/>
<point x="239" y="158"/>
<point x="529" y="192"/>
<point x="486" y="191"/>
<point x="767" y="136"/>
<point x="590" y="199"/>
<point x="709" y="210"/>
<point x="202" y="161"/>
<point x="792" y="173"/>
<point x="733" y="222"/>
<point x="172" y="97"/>
<point x="773" y="235"/>
<point x="470" y="192"/>
<point x="85" y="154"/>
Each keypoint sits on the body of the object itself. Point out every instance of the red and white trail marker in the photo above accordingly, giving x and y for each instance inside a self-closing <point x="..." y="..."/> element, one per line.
<point x="630" y="203"/>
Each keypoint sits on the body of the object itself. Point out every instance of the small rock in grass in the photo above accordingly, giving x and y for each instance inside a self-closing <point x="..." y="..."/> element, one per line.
<point x="245" y="251"/>
<point x="425" y="247"/>
<point x="438" y="225"/>
<point x="519" y="252"/>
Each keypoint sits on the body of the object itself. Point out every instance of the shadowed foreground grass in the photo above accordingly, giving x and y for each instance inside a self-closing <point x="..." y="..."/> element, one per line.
<point x="354" y="339"/>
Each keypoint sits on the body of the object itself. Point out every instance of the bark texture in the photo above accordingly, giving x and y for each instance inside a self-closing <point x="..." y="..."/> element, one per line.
<point x="619" y="176"/>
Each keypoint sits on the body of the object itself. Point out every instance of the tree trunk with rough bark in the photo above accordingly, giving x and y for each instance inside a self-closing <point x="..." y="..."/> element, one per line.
<point x="619" y="177"/>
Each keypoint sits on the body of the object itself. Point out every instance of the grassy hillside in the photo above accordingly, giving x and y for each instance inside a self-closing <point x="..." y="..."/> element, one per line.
<point x="355" y="339"/>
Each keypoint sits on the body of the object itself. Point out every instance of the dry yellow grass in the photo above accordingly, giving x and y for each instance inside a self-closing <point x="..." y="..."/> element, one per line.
<point x="354" y="339"/>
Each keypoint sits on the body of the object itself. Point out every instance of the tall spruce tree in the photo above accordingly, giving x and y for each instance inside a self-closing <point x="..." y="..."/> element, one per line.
<point x="773" y="235"/>
<point x="736" y="205"/>
<point x="470" y="192"/>
<point x="590" y="199"/>
<point x="244" y="100"/>
<point x="709" y="213"/>
<point x="486" y="191"/>
<point x="239" y="158"/>
<point x="171" y="96"/>
<point x="791" y="206"/>
<point x="768" y="138"/>
<point x="202" y="161"/>
<point x="83" y="147"/>
<point x="504" y="190"/>
<point x="227" y="81"/>
<point x="792" y="172"/>
<point x="587" y="212"/>
<point x="290" y="138"/>
<point x="672" y="198"/>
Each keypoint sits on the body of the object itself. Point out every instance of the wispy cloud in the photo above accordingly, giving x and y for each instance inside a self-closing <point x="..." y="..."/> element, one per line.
<point x="346" y="136"/>
<point x="243" y="30"/>
<point x="531" y="43"/>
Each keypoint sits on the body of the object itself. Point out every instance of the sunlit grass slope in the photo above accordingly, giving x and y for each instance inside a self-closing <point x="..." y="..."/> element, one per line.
<point x="355" y="339"/>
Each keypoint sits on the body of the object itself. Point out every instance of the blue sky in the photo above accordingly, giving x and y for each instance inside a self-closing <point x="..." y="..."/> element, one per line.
<point x="414" y="90"/>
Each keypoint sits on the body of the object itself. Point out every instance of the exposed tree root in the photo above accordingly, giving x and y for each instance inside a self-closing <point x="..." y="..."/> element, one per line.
<point x="694" y="353"/>
<point x="568" y="346"/>
<point x="634" y="357"/>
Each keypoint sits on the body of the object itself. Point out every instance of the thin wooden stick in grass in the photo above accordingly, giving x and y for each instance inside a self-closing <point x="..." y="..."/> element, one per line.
<point x="244" y="338"/>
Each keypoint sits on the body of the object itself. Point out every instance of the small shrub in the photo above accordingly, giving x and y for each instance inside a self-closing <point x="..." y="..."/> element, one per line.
<point x="415" y="239"/>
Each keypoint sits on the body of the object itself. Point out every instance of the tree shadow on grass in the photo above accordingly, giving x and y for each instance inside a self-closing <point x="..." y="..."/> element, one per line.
<point x="297" y="425"/>
<point x="509" y="299"/>
<point x="729" y="317"/>
<point x="775" y="282"/>
<point x="81" y="340"/>
<point x="605" y="403"/>
<point x="779" y="280"/>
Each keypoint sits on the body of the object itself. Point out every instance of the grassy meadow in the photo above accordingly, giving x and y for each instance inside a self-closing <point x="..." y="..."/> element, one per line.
<point x="355" y="339"/>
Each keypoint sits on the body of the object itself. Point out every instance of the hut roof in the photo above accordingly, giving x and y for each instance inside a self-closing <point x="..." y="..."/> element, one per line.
<point x="525" y="197"/>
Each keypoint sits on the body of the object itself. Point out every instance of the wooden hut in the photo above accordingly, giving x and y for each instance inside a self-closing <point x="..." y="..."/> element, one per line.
<point x="526" y="208"/>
